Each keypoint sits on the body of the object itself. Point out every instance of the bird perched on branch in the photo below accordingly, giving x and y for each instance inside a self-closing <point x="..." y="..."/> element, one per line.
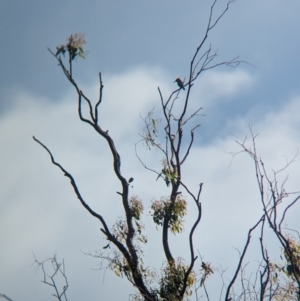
<point x="179" y="83"/>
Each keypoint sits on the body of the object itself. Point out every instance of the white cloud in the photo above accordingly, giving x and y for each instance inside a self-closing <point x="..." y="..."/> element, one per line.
<point x="216" y="87"/>
<point x="40" y="213"/>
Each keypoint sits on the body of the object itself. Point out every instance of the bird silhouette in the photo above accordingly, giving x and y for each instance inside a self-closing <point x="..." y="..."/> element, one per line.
<point x="179" y="83"/>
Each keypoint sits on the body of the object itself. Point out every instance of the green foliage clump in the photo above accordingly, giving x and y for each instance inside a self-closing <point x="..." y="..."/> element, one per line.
<point x="173" y="281"/>
<point x="174" y="210"/>
<point x="286" y="275"/>
<point x="74" y="46"/>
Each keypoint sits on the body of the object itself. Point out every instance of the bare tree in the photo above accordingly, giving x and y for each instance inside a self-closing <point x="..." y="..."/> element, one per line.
<point x="58" y="275"/>
<point x="275" y="281"/>
<point x="177" y="279"/>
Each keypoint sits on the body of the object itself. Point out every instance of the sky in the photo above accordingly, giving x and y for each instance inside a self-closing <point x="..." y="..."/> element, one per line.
<point x="137" y="46"/>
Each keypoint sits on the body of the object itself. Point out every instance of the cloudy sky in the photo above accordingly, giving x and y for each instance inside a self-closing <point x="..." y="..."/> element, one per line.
<point x="138" y="46"/>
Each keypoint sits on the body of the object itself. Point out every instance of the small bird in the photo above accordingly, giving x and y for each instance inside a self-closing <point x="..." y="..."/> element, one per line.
<point x="179" y="83"/>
